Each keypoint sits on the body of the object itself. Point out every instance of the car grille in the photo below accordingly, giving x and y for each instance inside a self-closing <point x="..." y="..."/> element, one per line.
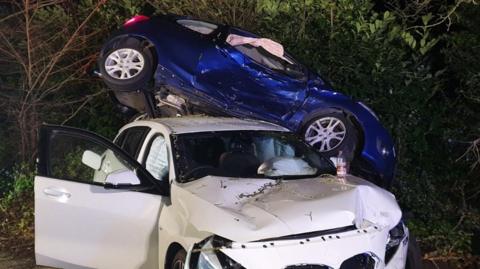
<point x="360" y="261"/>
<point x="307" y="266"/>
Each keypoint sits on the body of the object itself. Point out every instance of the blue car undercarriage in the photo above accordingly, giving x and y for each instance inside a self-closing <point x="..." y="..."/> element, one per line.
<point x="170" y="65"/>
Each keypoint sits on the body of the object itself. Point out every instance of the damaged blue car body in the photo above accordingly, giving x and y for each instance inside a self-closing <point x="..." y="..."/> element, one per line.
<point x="192" y="61"/>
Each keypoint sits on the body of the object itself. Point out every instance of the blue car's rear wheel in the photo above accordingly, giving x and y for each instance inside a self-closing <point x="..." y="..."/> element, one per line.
<point x="330" y="133"/>
<point x="126" y="65"/>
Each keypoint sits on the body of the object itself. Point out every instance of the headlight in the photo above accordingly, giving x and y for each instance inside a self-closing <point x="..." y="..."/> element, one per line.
<point x="369" y="110"/>
<point x="395" y="237"/>
<point x="208" y="255"/>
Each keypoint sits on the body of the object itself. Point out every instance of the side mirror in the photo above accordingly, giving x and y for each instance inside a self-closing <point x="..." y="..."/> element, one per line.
<point x="125" y="177"/>
<point x="92" y="159"/>
<point x="125" y="180"/>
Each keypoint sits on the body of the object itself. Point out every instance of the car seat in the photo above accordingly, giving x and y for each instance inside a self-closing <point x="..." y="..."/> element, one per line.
<point x="240" y="161"/>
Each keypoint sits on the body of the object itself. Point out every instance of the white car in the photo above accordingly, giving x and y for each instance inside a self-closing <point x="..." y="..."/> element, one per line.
<point x="202" y="192"/>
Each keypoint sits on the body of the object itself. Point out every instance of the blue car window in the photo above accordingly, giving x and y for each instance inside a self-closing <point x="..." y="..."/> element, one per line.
<point x="261" y="56"/>
<point x="201" y="27"/>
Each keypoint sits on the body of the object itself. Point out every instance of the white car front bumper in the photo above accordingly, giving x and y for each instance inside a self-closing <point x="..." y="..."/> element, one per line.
<point x="324" y="251"/>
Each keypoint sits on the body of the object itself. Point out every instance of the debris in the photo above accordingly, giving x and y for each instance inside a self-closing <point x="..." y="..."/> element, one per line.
<point x="309" y="215"/>
<point x="260" y="190"/>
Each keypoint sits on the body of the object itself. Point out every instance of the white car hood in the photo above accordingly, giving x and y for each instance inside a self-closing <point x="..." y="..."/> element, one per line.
<point x="245" y="210"/>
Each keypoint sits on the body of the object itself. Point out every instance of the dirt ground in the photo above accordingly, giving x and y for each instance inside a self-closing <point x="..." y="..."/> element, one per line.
<point x="6" y="261"/>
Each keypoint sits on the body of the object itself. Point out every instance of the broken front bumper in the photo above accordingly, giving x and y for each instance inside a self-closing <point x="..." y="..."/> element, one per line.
<point x="355" y="248"/>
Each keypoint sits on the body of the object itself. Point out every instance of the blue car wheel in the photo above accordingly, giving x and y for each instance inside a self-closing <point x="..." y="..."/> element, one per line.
<point x="127" y="65"/>
<point x="331" y="133"/>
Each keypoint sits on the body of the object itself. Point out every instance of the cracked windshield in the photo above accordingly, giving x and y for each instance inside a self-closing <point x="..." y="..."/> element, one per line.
<point x="253" y="154"/>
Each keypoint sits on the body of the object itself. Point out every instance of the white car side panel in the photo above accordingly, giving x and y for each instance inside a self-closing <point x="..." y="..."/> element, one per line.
<point x="174" y="228"/>
<point x="90" y="227"/>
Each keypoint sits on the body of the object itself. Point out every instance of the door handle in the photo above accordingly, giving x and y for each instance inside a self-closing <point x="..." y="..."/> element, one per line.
<point x="56" y="193"/>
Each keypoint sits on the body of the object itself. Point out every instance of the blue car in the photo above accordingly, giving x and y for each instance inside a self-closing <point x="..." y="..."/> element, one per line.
<point x="175" y="65"/>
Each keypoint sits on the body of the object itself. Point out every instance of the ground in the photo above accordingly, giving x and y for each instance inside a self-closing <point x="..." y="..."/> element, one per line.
<point x="6" y="261"/>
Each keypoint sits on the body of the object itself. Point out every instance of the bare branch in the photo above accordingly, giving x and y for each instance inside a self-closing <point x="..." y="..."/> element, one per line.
<point x="46" y="72"/>
<point x="45" y="4"/>
<point x="87" y="99"/>
<point x="473" y="149"/>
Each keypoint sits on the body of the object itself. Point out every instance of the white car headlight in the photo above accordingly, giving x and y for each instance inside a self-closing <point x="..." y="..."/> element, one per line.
<point x="395" y="237"/>
<point x="208" y="255"/>
<point x="207" y="258"/>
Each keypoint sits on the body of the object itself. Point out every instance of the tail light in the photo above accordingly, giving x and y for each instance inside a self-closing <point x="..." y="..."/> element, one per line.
<point x="135" y="19"/>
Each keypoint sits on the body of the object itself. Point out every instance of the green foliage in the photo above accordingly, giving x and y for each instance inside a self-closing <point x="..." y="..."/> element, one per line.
<point x="17" y="211"/>
<point x="115" y="13"/>
<point x="69" y="164"/>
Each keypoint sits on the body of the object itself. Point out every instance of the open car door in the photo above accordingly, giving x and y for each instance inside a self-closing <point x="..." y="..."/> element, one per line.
<point x="95" y="206"/>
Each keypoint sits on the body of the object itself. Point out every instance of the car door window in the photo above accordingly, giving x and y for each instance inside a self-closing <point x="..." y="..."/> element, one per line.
<point x="75" y="158"/>
<point x="201" y="27"/>
<point x="120" y="139"/>
<point x="266" y="59"/>
<point x="156" y="161"/>
<point x="133" y="140"/>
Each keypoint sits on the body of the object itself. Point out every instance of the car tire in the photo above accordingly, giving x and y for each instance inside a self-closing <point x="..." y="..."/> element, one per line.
<point x="126" y="65"/>
<point x="178" y="261"/>
<point x="324" y="133"/>
<point x="414" y="254"/>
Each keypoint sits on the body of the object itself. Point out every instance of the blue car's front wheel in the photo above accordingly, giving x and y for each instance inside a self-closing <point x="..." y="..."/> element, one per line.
<point x="331" y="132"/>
<point x="127" y="65"/>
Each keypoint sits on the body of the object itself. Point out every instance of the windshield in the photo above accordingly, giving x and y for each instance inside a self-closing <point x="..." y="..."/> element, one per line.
<point x="247" y="154"/>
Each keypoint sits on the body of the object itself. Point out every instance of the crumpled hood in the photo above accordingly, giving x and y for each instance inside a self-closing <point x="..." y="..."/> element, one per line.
<point x="244" y="210"/>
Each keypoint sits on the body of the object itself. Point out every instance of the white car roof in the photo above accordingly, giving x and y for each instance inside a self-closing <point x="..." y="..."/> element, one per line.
<point x="196" y="124"/>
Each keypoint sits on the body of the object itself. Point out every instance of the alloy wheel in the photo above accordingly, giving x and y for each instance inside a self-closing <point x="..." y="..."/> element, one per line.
<point x="124" y="63"/>
<point x="326" y="133"/>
